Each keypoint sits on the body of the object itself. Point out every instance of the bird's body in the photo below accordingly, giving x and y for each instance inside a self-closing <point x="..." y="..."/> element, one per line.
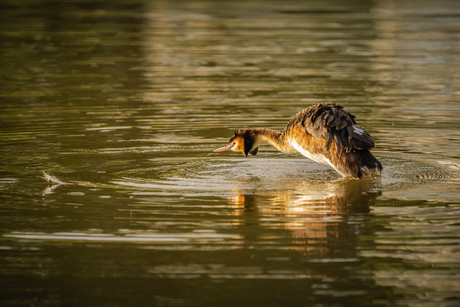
<point x="325" y="133"/>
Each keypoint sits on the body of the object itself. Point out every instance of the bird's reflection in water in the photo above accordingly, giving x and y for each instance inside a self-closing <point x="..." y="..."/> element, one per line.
<point x="315" y="214"/>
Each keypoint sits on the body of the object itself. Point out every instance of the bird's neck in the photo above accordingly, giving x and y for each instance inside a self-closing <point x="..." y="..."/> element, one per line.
<point x="272" y="137"/>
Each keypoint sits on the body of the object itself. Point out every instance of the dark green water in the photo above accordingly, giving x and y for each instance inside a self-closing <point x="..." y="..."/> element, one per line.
<point x="128" y="100"/>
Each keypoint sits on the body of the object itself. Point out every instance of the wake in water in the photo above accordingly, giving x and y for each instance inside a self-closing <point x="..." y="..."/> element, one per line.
<point x="404" y="175"/>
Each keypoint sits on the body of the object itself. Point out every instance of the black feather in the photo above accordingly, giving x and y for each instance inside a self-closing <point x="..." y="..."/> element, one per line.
<point x="350" y="132"/>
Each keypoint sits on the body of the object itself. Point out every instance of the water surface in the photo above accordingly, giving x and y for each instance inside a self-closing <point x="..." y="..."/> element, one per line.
<point x="127" y="102"/>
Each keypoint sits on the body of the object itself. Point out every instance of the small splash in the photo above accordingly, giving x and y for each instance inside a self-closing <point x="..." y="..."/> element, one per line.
<point x="56" y="183"/>
<point x="53" y="179"/>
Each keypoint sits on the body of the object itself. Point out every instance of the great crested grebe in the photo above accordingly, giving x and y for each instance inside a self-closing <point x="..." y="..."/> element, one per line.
<point x="325" y="133"/>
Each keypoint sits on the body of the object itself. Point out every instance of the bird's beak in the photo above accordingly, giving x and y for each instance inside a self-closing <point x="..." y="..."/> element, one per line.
<point x="223" y="148"/>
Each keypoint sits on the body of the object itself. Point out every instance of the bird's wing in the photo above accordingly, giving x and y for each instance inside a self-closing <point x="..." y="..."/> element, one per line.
<point x="332" y="123"/>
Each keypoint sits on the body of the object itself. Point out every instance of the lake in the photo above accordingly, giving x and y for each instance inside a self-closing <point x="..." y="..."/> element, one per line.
<point x="126" y="101"/>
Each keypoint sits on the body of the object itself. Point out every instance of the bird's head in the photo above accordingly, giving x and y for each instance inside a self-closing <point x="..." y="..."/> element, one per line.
<point x="243" y="141"/>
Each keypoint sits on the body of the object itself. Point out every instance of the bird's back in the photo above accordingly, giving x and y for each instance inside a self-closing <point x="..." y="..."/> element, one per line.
<point x="328" y="134"/>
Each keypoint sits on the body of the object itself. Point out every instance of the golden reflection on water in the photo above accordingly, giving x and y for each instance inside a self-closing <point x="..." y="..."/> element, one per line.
<point x="311" y="210"/>
<point x="129" y="101"/>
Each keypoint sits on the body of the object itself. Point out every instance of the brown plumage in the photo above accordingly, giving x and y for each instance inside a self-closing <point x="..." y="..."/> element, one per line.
<point x="325" y="133"/>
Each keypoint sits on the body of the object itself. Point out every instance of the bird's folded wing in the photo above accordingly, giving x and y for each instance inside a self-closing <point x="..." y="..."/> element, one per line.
<point x="334" y="124"/>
